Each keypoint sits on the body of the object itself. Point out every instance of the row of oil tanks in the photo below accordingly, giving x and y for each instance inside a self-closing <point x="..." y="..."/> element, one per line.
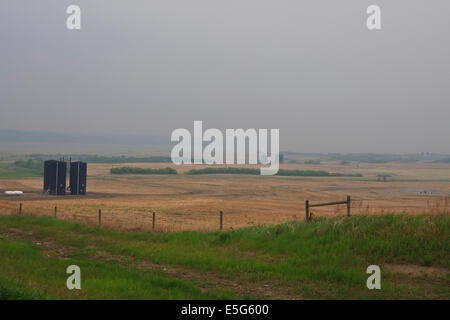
<point x="55" y="177"/>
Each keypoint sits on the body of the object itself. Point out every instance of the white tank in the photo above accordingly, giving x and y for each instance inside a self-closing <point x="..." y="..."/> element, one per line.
<point x="13" y="193"/>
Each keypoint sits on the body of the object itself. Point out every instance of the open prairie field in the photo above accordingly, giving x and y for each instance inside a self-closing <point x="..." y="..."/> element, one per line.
<point x="193" y="202"/>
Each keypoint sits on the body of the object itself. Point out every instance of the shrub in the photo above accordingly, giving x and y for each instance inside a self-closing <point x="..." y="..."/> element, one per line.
<point x="281" y="172"/>
<point x="133" y="170"/>
<point x="224" y="170"/>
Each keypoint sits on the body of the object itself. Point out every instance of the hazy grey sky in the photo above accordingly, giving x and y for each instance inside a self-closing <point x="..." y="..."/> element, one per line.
<point x="310" y="68"/>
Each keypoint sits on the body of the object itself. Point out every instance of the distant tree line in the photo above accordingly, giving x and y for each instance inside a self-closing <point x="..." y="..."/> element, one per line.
<point x="30" y="164"/>
<point x="225" y="170"/>
<point x="445" y="160"/>
<point x="315" y="173"/>
<point x="281" y="172"/>
<point x="103" y="159"/>
<point x="372" y="157"/>
<point x="312" y="162"/>
<point x="133" y="170"/>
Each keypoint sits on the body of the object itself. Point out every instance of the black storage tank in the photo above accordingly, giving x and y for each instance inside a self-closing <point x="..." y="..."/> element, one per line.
<point x="55" y="177"/>
<point x="78" y="173"/>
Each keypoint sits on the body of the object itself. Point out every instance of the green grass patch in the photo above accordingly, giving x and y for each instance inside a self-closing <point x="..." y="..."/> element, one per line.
<point x="326" y="258"/>
<point x="17" y="171"/>
<point x="39" y="277"/>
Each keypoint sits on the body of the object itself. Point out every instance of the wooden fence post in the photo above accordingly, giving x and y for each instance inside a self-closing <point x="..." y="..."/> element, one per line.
<point x="348" y="206"/>
<point x="99" y="217"/>
<point x="153" y="222"/>
<point x="20" y="208"/>
<point x="221" y="220"/>
<point x="307" y="210"/>
<point x="55" y="212"/>
<point x="308" y="206"/>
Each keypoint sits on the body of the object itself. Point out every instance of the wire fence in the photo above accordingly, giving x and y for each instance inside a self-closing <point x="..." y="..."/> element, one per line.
<point x="143" y="219"/>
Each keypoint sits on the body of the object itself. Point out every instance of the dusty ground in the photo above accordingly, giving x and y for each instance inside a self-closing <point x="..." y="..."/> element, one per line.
<point x="185" y="202"/>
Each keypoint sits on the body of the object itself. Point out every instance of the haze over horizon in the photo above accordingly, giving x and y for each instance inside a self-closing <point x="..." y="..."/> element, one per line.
<point x="311" y="69"/>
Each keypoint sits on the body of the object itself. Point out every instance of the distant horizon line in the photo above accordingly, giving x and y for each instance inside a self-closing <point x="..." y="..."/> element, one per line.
<point x="43" y="136"/>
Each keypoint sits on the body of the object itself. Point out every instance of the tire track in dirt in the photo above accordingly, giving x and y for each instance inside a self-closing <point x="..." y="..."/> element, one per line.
<point x="206" y="280"/>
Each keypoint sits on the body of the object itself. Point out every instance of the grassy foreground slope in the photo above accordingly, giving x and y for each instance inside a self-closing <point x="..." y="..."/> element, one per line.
<point x="326" y="259"/>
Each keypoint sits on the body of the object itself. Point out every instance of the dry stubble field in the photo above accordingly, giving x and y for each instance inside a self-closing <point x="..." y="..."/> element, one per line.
<point x="193" y="202"/>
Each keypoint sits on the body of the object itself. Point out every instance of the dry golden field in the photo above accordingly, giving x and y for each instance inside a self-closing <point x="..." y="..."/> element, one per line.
<point x="193" y="202"/>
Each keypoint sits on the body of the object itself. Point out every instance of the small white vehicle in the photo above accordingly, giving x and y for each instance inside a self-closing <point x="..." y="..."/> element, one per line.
<point x="13" y="193"/>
